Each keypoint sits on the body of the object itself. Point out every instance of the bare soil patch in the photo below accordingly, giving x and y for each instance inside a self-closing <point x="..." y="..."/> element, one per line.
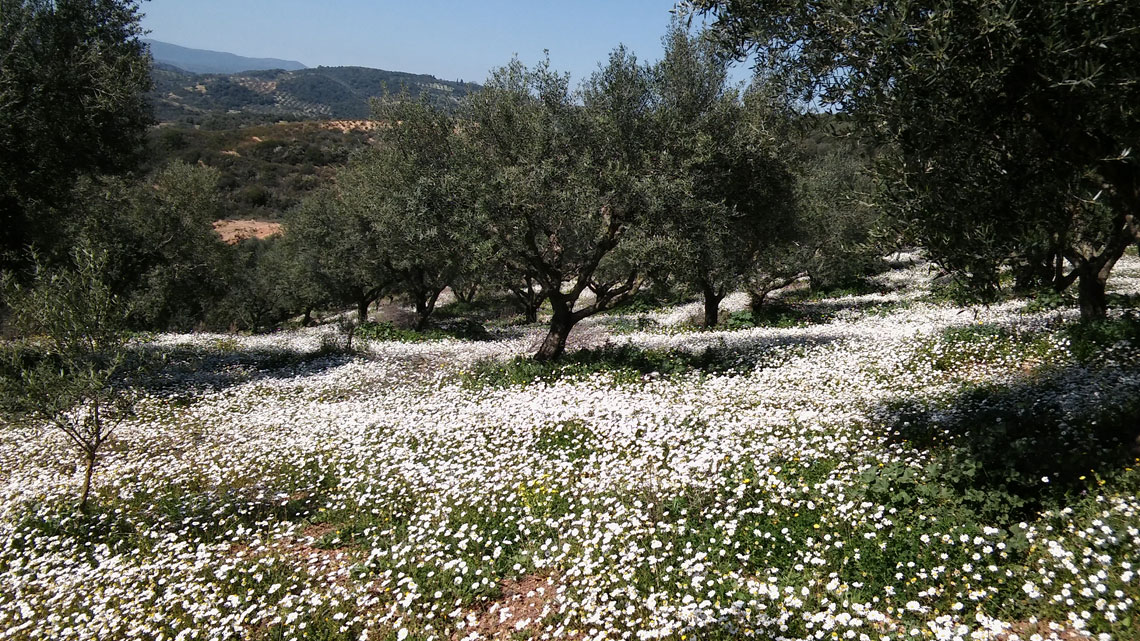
<point x="233" y="231"/>
<point x="1024" y="630"/>
<point x="345" y="126"/>
<point x="523" y="606"/>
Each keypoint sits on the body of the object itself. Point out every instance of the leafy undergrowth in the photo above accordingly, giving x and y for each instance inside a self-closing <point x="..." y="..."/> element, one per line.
<point x="453" y="329"/>
<point x="920" y="473"/>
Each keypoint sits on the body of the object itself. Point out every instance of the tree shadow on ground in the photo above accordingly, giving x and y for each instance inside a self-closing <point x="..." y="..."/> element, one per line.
<point x="629" y="363"/>
<point x="783" y="313"/>
<point x="1004" y="453"/>
<point x="162" y="369"/>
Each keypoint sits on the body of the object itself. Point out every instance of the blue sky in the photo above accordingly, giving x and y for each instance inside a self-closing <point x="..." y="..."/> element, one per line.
<point x="448" y="39"/>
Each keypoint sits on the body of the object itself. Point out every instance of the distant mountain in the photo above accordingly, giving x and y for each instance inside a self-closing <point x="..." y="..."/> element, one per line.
<point x="338" y="93"/>
<point x="203" y="61"/>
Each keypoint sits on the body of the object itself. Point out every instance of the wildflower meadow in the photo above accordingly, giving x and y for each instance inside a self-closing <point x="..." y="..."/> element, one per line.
<point x="870" y="466"/>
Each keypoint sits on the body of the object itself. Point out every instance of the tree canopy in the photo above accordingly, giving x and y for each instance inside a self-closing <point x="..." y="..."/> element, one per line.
<point x="73" y="79"/>
<point x="569" y="184"/>
<point x="1005" y="128"/>
<point x="734" y="197"/>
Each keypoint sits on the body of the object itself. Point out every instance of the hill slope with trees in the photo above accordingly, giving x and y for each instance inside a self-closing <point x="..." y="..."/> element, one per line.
<point x="263" y="170"/>
<point x="303" y="94"/>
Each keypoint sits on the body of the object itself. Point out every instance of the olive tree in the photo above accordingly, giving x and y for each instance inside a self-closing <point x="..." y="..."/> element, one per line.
<point x="334" y="245"/>
<point x="841" y="231"/>
<point x="415" y="192"/>
<point x="569" y="183"/>
<point x="162" y="252"/>
<point x="73" y="81"/>
<point x="1006" y="127"/>
<point x="70" y="370"/>
<point x="731" y="156"/>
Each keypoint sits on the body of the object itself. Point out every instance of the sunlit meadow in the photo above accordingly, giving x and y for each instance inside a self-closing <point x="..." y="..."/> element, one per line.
<point x="873" y="466"/>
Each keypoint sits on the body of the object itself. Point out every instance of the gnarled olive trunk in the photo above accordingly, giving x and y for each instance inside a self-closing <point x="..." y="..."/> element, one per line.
<point x="712" y="297"/>
<point x="756" y="301"/>
<point x="1091" y="293"/>
<point x="465" y="294"/>
<point x="529" y="299"/>
<point x="1038" y="271"/>
<point x="1092" y="272"/>
<point x="554" y="344"/>
<point x="425" y="306"/>
<point x="530" y="312"/>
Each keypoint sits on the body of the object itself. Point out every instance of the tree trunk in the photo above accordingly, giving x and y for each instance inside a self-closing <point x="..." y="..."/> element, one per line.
<point x="422" y="313"/>
<point x="555" y="342"/>
<point x="425" y="305"/>
<point x="712" y="304"/>
<point x="529" y="301"/>
<point x="307" y="319"/>
<point x="362" y="310"/>
<point x="1090" y="293"/>
<point x="1037" y="272"/>
<point x="756" y="302"/>
<point x="465" y="294"/>
<point x="87" y="483"/>
<point x="1058" y="281"/>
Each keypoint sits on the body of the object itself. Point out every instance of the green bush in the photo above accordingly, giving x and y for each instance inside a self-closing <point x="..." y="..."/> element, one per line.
<point x="1049" y="300"/>
<point x="254" y="195"/>
<point x="462" y="329"/>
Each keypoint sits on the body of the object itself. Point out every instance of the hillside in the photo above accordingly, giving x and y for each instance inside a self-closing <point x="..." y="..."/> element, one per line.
<point x="204" y="61"/>
<point x="270" y="95"/>
<point x="263" y="170"/>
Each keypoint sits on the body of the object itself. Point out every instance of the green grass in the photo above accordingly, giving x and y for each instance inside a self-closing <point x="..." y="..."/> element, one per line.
<point x="463" y="330"/>
<point x="1097" y="339"/>
<point x="962" y="348"/>
<point x="571" y="440"/>
<point x="631" y="325"/>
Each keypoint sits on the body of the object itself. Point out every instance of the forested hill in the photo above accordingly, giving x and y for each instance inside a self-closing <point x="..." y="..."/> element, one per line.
<point x="319" y="93"/>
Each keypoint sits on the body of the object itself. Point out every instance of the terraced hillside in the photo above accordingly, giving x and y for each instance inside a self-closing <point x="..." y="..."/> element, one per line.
<point x="320" y="93"/>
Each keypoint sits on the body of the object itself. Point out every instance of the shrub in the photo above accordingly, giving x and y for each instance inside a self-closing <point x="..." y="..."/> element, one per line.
<point x="463" y="329"/>
<point x="1002" y="454"/>
<point x="71" y="371"/>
